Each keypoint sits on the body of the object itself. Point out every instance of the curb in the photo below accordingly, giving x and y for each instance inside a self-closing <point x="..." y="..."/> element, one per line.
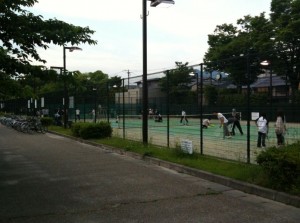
<point x="235" y="184"/>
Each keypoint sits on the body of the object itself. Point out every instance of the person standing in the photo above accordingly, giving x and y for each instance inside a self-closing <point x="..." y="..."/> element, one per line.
<point x="183" y="117"/>
<point x="262" y="125"/>
<point x="93" y="115"/>
<point x="223" y="122"/>
<point x="236" y="122"/>
<point x="280" y="128"/>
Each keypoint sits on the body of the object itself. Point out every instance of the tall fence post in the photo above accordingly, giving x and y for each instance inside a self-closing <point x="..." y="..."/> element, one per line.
<point x="123" y="108"/>
<point x="201" y="108"/>
<point x="248" y="108"/>
<point x="168" y="111"/>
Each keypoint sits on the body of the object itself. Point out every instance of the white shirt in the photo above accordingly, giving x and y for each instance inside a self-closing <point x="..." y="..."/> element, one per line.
<point x="221" y="116"/>
<point x="206" y="122"/>
<point x="262" y="125"/>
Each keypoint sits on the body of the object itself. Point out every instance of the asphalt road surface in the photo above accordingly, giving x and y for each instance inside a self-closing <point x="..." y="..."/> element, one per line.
<point x="47" y="178"/>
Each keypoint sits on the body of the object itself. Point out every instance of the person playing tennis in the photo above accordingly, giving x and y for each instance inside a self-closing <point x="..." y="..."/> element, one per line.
<point x="223" y="122"/>
<point x="183" y="117"/>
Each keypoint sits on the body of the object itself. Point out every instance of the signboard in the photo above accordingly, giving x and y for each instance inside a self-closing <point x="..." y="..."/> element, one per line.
<point x="254" y="116"/>
<point x="71" y="102"/>
<point x="187" y="146"/>
<point x="42" y="102"/>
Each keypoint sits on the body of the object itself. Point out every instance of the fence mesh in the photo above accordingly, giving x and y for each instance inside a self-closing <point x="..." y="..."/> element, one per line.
<point x="208" y="93"/>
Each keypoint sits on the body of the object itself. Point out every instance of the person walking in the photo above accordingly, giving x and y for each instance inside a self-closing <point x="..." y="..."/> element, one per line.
<point x="262" y="125"/>
<point x="223" y="122"/>
<point x="93" y="112"/>
<point x="77" y="114"/>
<point x="183" y="117"/>
<point x="236" y="122"/>
<point x="280" y="128"/>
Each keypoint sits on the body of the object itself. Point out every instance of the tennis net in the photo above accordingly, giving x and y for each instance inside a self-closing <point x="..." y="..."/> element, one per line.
<point x="136" y="121"/>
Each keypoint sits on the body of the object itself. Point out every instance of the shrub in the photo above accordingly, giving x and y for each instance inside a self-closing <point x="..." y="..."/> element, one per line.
<point x="106" y="129"/>
<point x="75" y="129"/>
<point x="92" y="130"/>
<point x="282" y="166"/>
<point x="47" y="121"/>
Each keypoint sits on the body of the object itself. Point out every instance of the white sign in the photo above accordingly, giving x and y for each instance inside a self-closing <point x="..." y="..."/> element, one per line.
<point x="254" y="116"/>
<point x="42" y="102"/>
<point x="71" y="102"/>
<point x="187" y="146"/>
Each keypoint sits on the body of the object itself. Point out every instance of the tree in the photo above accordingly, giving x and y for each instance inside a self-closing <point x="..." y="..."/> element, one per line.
<point x="285" y="15"/>
<point x="231" y="46"/>
<point x="22" y="32"/>
<point x="8" y="87"/>
<point x="179" y="83"/>
<point x="211" y="94"/>
<point x="258" y="38"/>
<point x="85" y="83"/>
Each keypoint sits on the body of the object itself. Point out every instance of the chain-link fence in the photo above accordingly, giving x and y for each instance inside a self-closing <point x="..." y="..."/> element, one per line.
<point x="196" y="97"/>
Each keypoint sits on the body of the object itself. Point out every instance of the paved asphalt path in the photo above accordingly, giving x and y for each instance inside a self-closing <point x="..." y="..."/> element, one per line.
<point x="47" y="178"/>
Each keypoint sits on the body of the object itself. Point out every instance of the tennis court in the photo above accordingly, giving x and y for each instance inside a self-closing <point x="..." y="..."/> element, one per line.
<point x="234" y="148"/>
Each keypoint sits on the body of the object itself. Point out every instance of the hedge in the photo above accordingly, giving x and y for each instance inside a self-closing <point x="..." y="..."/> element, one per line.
<point x="282" y="166"/>
<point x="91" y="130"/>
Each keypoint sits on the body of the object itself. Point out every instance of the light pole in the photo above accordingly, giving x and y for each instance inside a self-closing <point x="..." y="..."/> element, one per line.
<point x="64" y="80"/>
<point x="108" y="89"/>
<point x="196" y="75"/>
<point x="153" y="3"/>
<point x="66" y="99"/>
<point x="268" y="63"/>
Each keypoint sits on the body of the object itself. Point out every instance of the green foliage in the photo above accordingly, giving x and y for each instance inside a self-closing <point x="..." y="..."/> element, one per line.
<point x="91" y="130"/>
<point x="236" y="100"/>
<point x="47" y="121"/>
<point x="211" y="94"/>
<point x="177" y="83"/>
<point x="9" y="87"/>
<point x="22" y="32"/>
<point x="259" y="99"/>
<point x="274" y="38"/>
<point x="282" y="166"/>
<point x="75" y="128"/>
<point x="228" y="96"/>
<point x="233" y="99"/>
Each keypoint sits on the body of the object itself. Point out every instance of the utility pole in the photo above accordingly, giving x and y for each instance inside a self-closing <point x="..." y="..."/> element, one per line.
<point x="128" y="73"/>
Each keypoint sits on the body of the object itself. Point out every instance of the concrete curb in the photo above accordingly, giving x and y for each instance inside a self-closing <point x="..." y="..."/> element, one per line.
<point x="238" y="185"/>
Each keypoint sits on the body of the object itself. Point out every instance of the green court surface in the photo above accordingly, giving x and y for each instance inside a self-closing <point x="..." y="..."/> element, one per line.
<point x="213" y="143"/>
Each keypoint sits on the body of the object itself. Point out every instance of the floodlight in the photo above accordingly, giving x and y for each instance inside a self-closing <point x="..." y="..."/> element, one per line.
<point x="155" y="3"/>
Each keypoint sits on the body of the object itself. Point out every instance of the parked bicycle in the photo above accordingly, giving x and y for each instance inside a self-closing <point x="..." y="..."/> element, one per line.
<point x="23" y="124"/>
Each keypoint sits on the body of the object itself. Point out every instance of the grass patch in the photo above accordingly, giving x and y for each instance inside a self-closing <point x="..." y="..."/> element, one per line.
<point x="60" y="129"/>
<point x="236" y="170"/>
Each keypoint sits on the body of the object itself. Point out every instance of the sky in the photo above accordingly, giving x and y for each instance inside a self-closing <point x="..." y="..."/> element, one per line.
<point x="176" y="32"/>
